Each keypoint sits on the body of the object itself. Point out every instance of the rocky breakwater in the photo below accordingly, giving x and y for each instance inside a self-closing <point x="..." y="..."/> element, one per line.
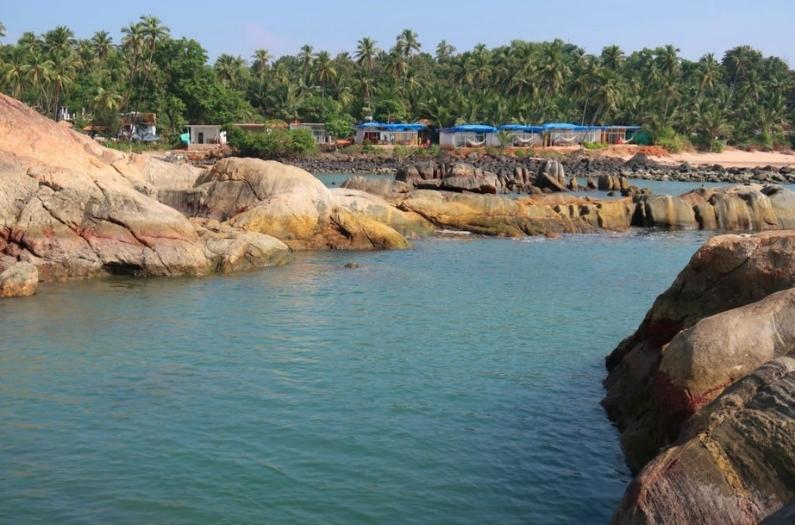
<point x="704" y="391"/>
<point x="545" y="176"/>
<point x="488" y="214"/>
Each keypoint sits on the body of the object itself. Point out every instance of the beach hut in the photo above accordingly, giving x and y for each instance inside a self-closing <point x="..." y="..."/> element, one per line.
<point x="466" y="136"/>
<point x="397" y="133"/>
<point x="618" y="134"/>
<point x="565" y="134"/>
<point x="205" y="134"/>
<point x="518" y="135"/>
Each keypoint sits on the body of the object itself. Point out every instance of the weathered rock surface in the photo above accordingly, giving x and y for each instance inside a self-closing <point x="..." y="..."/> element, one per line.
<point x="292" y="205"/>
<point x="67" y="210"/>
<point x="382" y="187"/>
<point x="360" y="203"/>
<point x="728" y="272"/>
<point x="537" y="215"/>
<point x="734" y="462"/>
<point x="231" y="250"/>
<point x="19" y="280"/>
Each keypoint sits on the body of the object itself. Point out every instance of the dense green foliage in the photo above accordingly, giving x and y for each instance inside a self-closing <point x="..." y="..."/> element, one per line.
<point x="744" y="98"/>
<point x="278" y="143"/>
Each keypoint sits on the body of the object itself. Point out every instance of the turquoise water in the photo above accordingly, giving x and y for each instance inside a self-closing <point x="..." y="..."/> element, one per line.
<point x="458" y="382"/>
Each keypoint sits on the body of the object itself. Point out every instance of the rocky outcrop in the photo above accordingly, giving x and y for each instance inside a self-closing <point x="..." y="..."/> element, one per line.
<point x="290" y="204"/>
<point x="19" y="280"/>
<point x="734" y="462"/>
<point x="709" y="373"/>
<point x="457" y="177"/>
<point x="382" y="187"/>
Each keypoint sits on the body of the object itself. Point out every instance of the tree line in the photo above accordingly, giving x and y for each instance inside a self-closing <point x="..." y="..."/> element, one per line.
<point x="743" y="98"/>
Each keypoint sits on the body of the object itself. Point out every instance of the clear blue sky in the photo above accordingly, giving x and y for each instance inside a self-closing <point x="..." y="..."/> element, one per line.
<point x="239" y="26"/>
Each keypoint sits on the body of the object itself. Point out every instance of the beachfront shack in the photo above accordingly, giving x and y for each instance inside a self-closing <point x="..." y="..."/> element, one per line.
<point x="517" y="136"/>
<point x="565" y="134"/>
<point x="619" y="134"/>
<point x="317" y="129"/>
<point x="379" y="133"/>
<point x="466" y="136"/>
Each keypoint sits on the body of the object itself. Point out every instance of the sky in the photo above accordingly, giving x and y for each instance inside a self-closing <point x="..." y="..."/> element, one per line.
<point x="239" y="27"/>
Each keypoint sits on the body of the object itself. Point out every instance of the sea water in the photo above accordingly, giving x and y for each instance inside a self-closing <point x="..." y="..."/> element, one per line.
<point x="457" y="382"/>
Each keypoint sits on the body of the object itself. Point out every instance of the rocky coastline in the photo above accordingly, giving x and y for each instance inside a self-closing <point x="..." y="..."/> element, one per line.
<point x="702" y="392"/>
<point x="580" y="165"/>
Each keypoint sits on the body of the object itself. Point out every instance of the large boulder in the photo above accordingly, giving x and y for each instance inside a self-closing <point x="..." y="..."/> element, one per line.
<point x="19" y="280"/>
<point x="267" y="197"/>
<point x="728" y="272"/>
<point x="734" y="462"/>
<point x="292" y="205"/>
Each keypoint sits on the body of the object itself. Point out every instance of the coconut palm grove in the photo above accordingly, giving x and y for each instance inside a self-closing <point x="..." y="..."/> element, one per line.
<point x="741" y="98"/>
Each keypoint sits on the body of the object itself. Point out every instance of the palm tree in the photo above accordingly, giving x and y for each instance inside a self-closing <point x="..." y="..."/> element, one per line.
<point x="105" y="99"/>
<point x="306" y="56"/>
<point x="59" y="40"/>
<point x="228" y="69"/>
<point x="262" y="58"/>
<point x="102" y="43"/>
<point x="366" y="52"/>
<point x="708" y="73"/>
<point x="325" y="72"/>
<point x="14" y="73"/>
<point x="38" y="73"/>
<point x="407" y="43"/>
<point x="444" y="51"/>
<point x="133" y="43"/>
<point x="2" y="30"/>
<point x="612" y="57"/>
<point x="153" y="32"/>
<point x="62" y="76"/>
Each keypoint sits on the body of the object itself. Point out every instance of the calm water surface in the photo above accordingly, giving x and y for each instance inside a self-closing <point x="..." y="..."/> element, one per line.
<point x="458" y="382"/>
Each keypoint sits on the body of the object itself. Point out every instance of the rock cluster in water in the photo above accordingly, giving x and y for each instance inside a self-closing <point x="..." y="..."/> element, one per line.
<point x="704" y="391"/>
